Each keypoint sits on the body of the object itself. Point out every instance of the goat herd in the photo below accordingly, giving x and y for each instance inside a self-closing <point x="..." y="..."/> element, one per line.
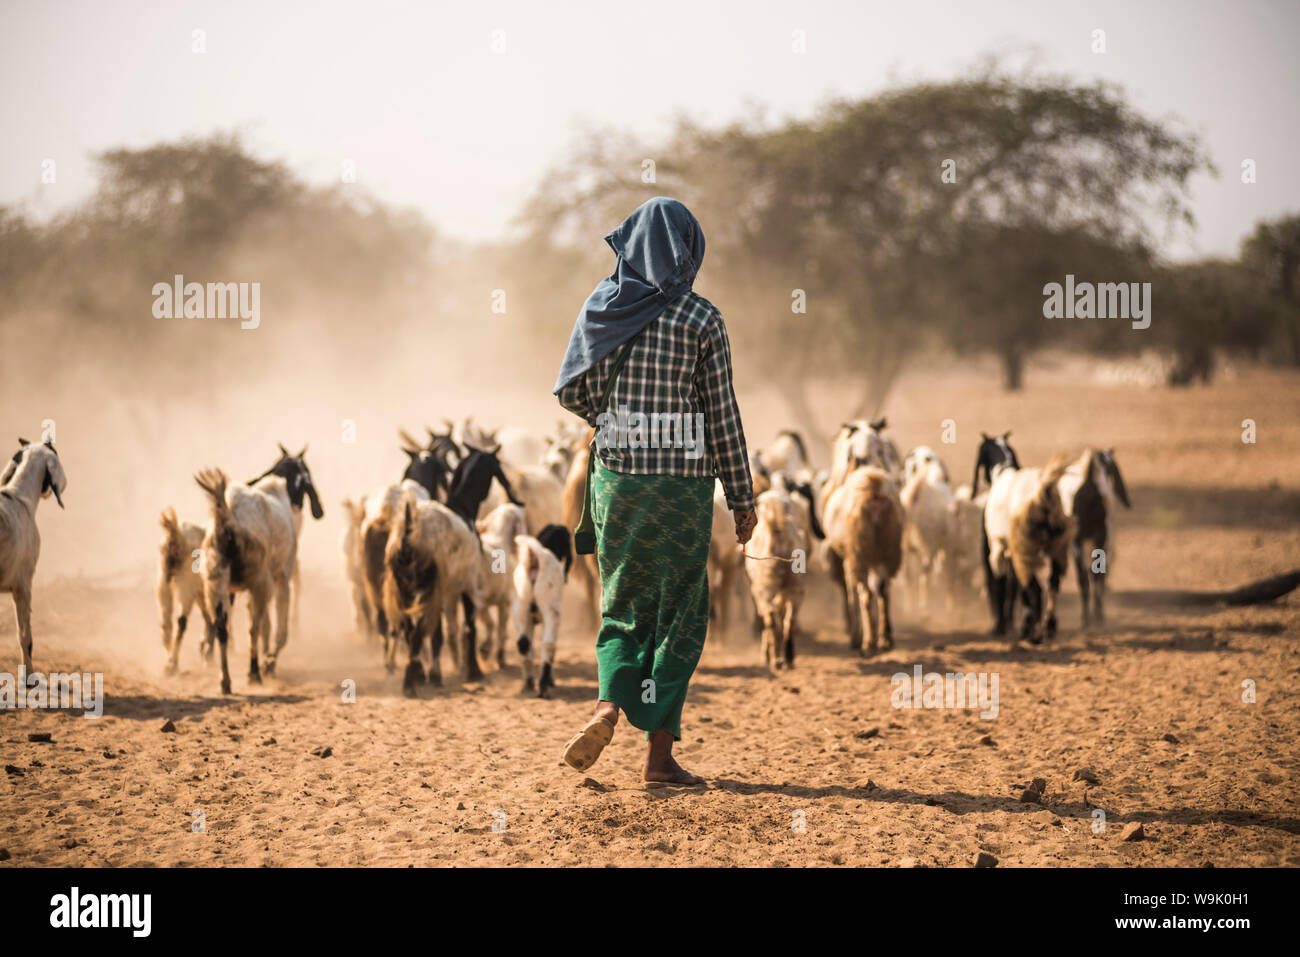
<point x="475" y="536"/>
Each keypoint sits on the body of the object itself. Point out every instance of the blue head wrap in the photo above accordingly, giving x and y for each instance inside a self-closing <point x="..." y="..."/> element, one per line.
<point x="659" y="248"/>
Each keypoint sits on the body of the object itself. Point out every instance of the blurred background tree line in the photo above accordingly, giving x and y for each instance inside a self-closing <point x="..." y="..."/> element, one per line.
<point x="924" y="218"/>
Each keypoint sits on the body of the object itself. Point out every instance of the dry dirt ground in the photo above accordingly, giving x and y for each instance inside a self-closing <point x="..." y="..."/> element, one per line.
<point x="814" y="767"/>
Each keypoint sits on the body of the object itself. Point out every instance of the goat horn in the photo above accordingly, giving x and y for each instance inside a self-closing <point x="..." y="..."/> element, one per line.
<point x="283" y="450"/>
<point x="23" y="442"/>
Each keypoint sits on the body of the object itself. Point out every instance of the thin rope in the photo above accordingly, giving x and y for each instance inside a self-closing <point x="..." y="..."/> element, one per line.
<point x="767" y="558"/>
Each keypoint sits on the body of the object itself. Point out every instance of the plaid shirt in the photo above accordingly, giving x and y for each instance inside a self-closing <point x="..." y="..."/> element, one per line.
<point x="676" y="385"/>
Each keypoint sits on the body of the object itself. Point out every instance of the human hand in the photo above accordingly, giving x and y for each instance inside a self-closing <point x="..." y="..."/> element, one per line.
<point x="745" y="522"/>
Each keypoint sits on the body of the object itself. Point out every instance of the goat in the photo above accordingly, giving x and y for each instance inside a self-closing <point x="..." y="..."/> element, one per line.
<point x="1089" y="489"/>
<point x="33" y="473"/>
<point x="994" y="455"/>
<point x="787" y="453"/>
<point x="252" y="545"/>
<point x="363" y="614"/>
<point x="927" y="504"/>
<point x="425" y="478"/>
<point x="864" y="529"/>
<point x="497" y="531"/>
<point x="860" y="443"/>
<point x="180" y="585"/>
<point x="433" y="561"/>
<point x="520" y="447"/>
<point x="539" y="487"/>
<point x="539" y="593"/>
<point x="965" y="556"/>
<point x="557" y="540"/>
<point x="725" y="562"/>
<point x="298" y="483"/>
<point x="1026" y="526"/>
<point x="777" y="586"/>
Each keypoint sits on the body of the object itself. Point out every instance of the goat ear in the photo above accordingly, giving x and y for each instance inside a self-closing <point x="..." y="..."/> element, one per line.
<point x="879" y="424"/>
<point x="1006" y="435"/>
<point x="984" y="435"/>
<point x="23" y="442"/>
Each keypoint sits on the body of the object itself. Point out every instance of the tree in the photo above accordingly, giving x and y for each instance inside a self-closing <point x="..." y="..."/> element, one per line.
<point x="1272" y="254"/>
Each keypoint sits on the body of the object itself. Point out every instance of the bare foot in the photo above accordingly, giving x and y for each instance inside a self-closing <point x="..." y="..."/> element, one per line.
<point x="607" y="710"/>
<point x="671" y="773"/>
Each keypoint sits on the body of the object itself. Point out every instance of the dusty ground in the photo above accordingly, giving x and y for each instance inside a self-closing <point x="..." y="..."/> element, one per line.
<point x="1153" y="705"/>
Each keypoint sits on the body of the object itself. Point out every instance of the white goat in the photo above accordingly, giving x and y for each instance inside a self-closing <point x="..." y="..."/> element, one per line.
<point x="498" y="531"/>
<point x="538" y="595"/>
<point x="363" y="616"/>
<point x="34" y="473"/>
<point x="180" y="586"/>
<point x="928" y="533"/>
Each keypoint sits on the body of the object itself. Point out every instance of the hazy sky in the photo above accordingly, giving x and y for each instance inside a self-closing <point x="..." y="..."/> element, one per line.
<point x="434" y="118"/>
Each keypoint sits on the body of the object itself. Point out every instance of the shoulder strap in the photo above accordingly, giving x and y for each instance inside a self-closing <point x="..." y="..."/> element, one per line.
<point x="614" y="370"/>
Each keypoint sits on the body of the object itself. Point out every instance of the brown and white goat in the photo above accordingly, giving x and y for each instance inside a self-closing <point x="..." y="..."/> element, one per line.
<point x="1089" y="489"/>
<point x="1027" y="527"/>
<point x="864" y="533"/>
<point x="252" y="545"/>
<point x="776" y="561"/>
<point x="180" y="586"/>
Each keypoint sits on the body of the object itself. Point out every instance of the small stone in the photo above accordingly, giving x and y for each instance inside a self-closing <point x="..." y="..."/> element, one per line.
<point x="323" y="751"/>
<point x="1038" y="784"/>
<point x="460" y="805"/>
<point x="168" y="727"/>
<point x="70" y="843"/>
<point x="1132" y="832"/>
<point x="987" y="739"/>
<point x="14" y="770"/>
<point x="1171" y="738"/>
<point x="593" y="784"/>
<point x="40" y="737"/>
<point x="867" y="733"/>
<point x="426" y="785"/>
<point x="269" y="741"/>
<point x="4" y="854"/>
<point x="1087" y="774"/>
<point x="1030" y="796"/>
<point x="985" y="859"/>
